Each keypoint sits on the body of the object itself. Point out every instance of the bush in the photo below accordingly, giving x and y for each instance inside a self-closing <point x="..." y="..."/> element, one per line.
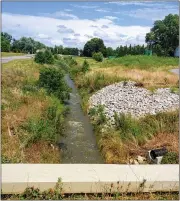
<point x="52" y="80"/>
<point x="48" y="57"/>
<point x="85" y="66"/>
<point x="56" y="57"/>
<point x="44" y="57"/>
<point x="48" y="126"/>
<point x="98" y="56"/>
<point x="39" y="58"/>
<point x="170" y="158"/>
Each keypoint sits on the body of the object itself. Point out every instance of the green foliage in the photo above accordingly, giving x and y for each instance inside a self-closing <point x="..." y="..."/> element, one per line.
<point x="164" y="36"/>
<point x="5" y="42"/>
<point x="170" y="158"/>
<point x="94" y="45"/>
<point x="48" y="57"/>
<point x="32" y="193"/>
<point x="85" y="66"/>
<point x="56" y="57"/>
<point x="98" y="56"/>
<point x="52" y="79"/>
<point x="39" y="57"/>
<point x="46" y="127"/>
<point x="98" y="115"/>
<point x="44" y="57"/>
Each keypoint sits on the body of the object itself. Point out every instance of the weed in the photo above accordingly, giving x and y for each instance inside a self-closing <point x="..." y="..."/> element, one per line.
<point x="170" y="158"/>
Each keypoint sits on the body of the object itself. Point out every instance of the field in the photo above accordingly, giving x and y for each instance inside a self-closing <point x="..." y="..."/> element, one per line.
<point x="29" y="129"/>
<point x="9" y="54"/>
<point x="118" y="144"/>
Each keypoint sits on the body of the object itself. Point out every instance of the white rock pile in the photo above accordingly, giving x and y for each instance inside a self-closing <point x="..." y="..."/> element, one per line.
<point x="125" y="97"/>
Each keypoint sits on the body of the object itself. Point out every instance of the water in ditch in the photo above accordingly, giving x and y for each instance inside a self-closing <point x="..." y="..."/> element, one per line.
<point x="78" y="145"/>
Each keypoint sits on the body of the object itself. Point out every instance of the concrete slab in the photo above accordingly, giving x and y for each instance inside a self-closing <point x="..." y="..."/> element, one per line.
<point x="90" y="178"/>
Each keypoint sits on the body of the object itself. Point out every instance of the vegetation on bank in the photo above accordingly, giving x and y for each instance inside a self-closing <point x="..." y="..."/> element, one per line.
<point x="32" y="116"/>
<point x="129" y="137"/>
<point x="56" y="193"/>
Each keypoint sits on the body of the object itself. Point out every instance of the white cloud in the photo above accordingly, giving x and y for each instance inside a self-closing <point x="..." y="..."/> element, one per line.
<point x="151" y="14"/>
<point x="111" y="17"/>
<point x="102" y="10"/>
<point x="59" y="14"/>
<point x="75" y="31"/>
<point x="84" y="6"/>
<point x="67" y="10"/>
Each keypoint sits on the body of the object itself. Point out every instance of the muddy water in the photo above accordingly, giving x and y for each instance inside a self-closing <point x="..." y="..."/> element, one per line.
<point x="79" y="143"/>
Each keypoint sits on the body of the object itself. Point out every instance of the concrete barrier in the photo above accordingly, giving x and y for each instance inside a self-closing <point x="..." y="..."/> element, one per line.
<point x="90" y="178"/>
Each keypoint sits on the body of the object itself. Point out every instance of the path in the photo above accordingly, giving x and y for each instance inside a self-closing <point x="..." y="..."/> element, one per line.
<point x="7" y="59"/>
<point x="176" y="71"/>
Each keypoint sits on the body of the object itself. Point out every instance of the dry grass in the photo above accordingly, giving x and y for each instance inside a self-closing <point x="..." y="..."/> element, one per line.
<point x="17" y="107"/>
<point x="112" y="149"/>
<point x="37" y="153"/>
<point x="148" y="78"/>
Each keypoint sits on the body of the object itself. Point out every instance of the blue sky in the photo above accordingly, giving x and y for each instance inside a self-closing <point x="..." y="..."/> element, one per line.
<point x="73" y="23"/>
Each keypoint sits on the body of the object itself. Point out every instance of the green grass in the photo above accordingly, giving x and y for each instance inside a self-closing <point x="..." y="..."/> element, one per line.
<point x="143" y="62"/>
<point x="135" y="62"/>
<point x="9" y="54"/>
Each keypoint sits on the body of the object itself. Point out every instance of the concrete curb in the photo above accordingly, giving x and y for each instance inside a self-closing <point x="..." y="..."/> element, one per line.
<point x="90" y="178"/>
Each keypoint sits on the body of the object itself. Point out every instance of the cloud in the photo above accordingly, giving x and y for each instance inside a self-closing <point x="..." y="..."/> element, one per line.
<point x="64" y="29"/>
<point x="84" y="6"/>
<point x="77" y="34"/>
<point x="111" y="17"/>
<point x="68" y="10"/>
<point x="53" y="31"/>
<point x="94" y="26"/>
<point x="104" y="26"/>
<point x="102" y="10"/>
<point x="151" y="14"/>
<point x="43" y="36"/>
<point x="59" y="14"/>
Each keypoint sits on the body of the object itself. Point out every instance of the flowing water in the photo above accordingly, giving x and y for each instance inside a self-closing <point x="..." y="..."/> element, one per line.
<point x="79" y="143"/>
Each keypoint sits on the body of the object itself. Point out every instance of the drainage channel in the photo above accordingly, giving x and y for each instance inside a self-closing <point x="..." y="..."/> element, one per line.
<point x="78" y="145"/>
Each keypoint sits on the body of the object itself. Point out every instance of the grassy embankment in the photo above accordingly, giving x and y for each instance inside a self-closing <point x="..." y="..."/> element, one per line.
<point x="31" y="119"/>
<point x="130" y="137"/>
<point x="9" y="54"/>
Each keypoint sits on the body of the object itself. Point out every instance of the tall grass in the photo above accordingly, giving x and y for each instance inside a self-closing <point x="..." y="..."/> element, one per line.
<point x="31" y="118"/>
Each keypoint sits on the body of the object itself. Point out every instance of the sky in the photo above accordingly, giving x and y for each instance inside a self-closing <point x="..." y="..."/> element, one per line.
<point x="72" y="24"/>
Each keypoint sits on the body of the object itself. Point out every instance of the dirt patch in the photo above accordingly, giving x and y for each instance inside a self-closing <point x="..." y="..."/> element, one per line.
<point x="170" y="141"/>
<point x="42" y="152"/>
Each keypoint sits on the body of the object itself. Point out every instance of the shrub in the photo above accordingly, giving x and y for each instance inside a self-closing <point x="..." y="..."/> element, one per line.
<point x="56" y="57"/>
<point x="52" y="80"/>
<point x="39" y="58"/>
<point x="48" y="57"/>
<point x="44" y="57"/>
<point x="170" y="158"/>
<point x="85" y="66"/>
<point x="98" y="56"/>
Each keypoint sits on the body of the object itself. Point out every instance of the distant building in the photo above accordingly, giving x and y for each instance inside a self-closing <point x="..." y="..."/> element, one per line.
<point x="176" y="52"/>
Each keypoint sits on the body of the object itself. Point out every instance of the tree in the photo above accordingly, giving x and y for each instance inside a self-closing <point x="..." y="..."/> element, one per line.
<point x="5" y="42"/>
<point x="94" y="45"/>
<point x="165" y="34"/>
<point x="109" y="52"/>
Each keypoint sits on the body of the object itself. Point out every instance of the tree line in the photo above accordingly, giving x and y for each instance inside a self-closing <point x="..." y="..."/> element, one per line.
<point x="162" y="39"/>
